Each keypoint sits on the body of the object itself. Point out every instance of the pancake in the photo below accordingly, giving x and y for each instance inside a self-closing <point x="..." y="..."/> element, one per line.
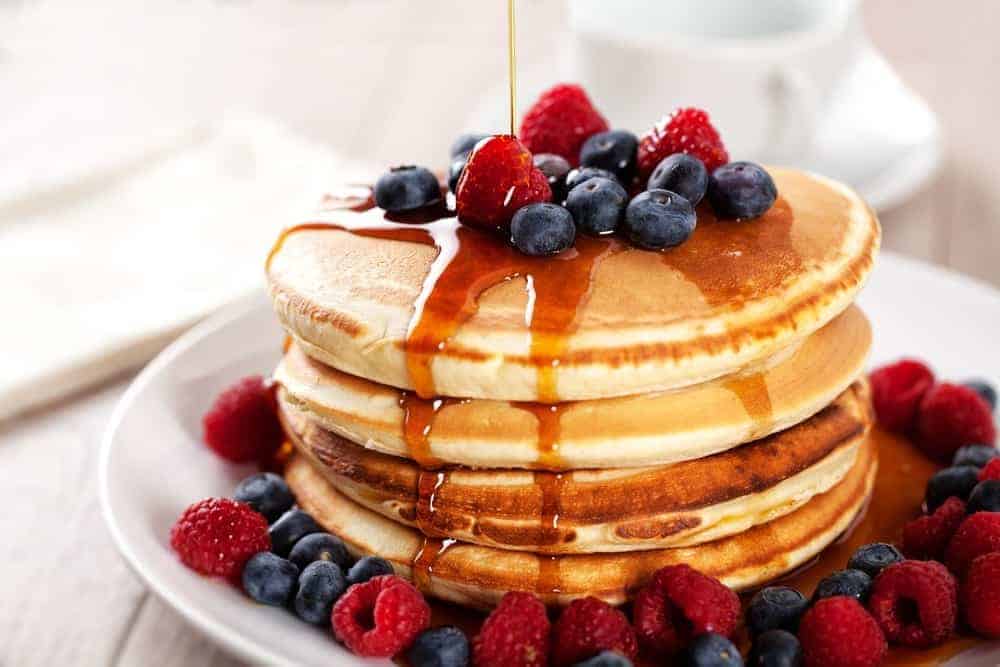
<point x="650" y="429"/>
<point x="423" y="303"/>
<point x="611" y="510"/>
<point x="478" y="576"/>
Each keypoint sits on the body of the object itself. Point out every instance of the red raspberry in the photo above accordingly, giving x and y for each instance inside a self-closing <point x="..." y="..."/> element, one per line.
<point x="981" y="595"/>
<point x="897" y="390"/>
<point x="928" y="536"/>
<point x="516" y="633"/>
<point x="243" y="425"/>
<point x="560" y="121"/>
<point x="951" y="416"/>
<point x="915" y="602"/>
<point x="217" y="536"/>
<point x="990" y="471"/>
<point x="979" y="534"/>
<point x="499" y="178"/>
<point x="838" y="632"/>
<point x="587" y="627"/>
<point x="684" y="131"/>
<point x="380" y="617"/>
<point x="679" y="604"/>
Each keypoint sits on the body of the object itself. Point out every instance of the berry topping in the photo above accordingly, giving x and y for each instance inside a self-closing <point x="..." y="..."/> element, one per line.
<point x="320" y="546"/>
<point x="990" y="471"/>
<point x="951" y="416"/>
<point x="597" y="205"/>
<point x="985" y="497"/>
<point x="614" y="150"/>
<point x="367" y="568"/>
<point x="556" y="169"/>
<point x="465" y="143"/>
<point x="741" y="190"/>
<point x="270" y="579"/>
<point x="712" y="650"/>
<point x="928" y="536"/>
<point x="217" y="536"/>
<point x="658" y="219"/>
<point x="984" y="389"/>
<point x="455" y="171"/>
<point x="267" y="493"/>
<point x="915" y="603"/>
<point x="499" y="178"/>
<point x="683" y="174"/>
<point x="975" y="455"/>
<point x="679" y="604"/>
<point x="873" y="558"/>
<point x="684" y="131"/>
<point x="844" y="583"/>
<point x="776" y="648"/>
<point x="242" y="425"/>
<point x="516" y="633"/>
<point x="954" y="482"/>
<point x="560" y="121"/>
<point x="896" y="392"/>
<point x="381" y="617"/>
<point x="588" y="626"/>
<point x="542" y="229"/>
<point x="979" y="534"/>
<point x="320" y="585"/>
<point x="775" y="607"/>
<point x="606" y="659"/>
<point x="981" y="595"/>
<point x="290" y="527"/>
<point x="407" y="188"/>
<point x="584" y="174"/>
<point x="446" y="646"/>
<point x="838" y="632"/>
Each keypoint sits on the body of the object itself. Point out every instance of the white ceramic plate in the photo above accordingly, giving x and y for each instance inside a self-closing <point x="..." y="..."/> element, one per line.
<point x="153" y="464"/>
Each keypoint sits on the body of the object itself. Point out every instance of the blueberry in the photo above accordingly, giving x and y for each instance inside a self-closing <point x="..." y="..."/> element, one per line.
<point x="975" y="455"/>
<point x="267" y="493"/>
<point x="464" y="144"/>
<point x="741" y="190"/>
<point x="367" y="568"/>
<point x="955" y="481"/>
<point x="406" y="188"/>
<point x="606" y="659"/>
<point x="556" y="169"/>
<point x="984" y="389"/>
<point x="270" y="579"/>
<point x="712" y="650"/>
<point x="583" y="174"/>
<point x="658" y="219"/>
<point x="614" y="150"/>
<point x="852" y="583"/>
<point x="290" y="527"/>
<point x="542" y="229"/>
<point x="681" y="173"/>
<point x="985" y="497"/>
<point x="455" y="171"/>
<point x="873" y="558"/>
<point x="320" y="585"/>
<point x="320" y="546"/>
<point x="775" y="607"/>
<point x="597" y="205"/>
<point x="446" y="646"/>
<point x="776" y="648"/>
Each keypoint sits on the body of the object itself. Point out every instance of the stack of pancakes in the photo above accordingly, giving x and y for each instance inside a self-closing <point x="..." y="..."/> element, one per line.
<point x="488" y="422"/>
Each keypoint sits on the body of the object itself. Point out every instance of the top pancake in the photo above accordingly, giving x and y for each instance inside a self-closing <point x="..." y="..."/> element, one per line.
<point x="447" y="310"/>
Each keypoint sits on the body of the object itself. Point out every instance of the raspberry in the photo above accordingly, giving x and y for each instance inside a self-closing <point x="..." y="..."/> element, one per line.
<point x="915" y="602"/>
<point x="499" y="178"/>
<point x="951" y="416"/>
<point x="684" y="131"/>
<point x="928" y="536"/>
<point x="981" y="595"/>
<point x="560" y="121"/>
<point x="587" y="627"/>
<point x="838" y="632"/>
<point x="242" y="425"/>
<point x="979" y="534"/>
<point x="217" y="536"/>
<point x="991" y="471"/>
<point x="896" y="392"/>
<point x="679" y="604"/>
<point x="380" y="617"/>
<point x="516" y="633"/>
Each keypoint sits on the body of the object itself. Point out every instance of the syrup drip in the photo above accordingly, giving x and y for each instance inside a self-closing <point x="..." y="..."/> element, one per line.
<point x="752" y="392"/>
<point x="418" y="419"/>
<point x="428" y="555"/>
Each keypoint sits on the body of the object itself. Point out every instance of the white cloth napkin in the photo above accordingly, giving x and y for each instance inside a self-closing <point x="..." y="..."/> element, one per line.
<point x="106" y="258"/>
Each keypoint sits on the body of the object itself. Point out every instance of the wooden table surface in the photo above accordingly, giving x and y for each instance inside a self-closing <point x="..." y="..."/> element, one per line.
<point x="67" y="596"/>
